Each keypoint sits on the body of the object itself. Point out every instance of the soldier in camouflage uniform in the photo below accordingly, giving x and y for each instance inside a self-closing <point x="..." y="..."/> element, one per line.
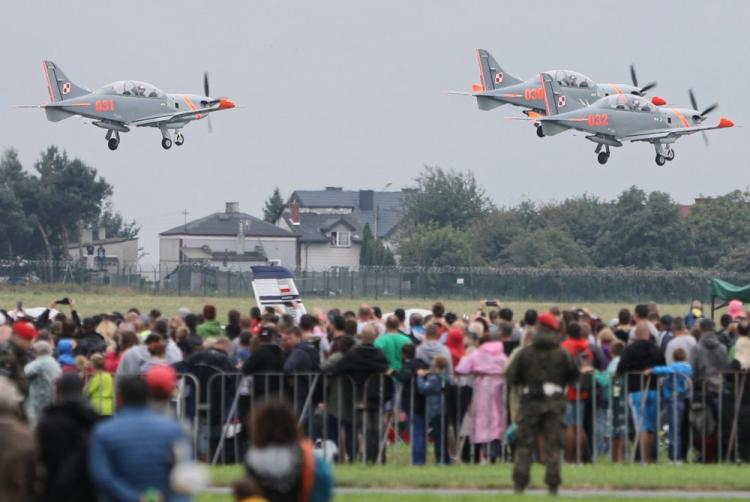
<point x="15" y="354"/>
<point x="541" y="371"/>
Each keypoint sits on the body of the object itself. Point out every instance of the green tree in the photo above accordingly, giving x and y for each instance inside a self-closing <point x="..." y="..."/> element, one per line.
<point x="547" y="247"/>
<point x="273" y="206"/>
<point x="718" y="226"/>
<point x="114" y="224"/>
<point x="446" y="198"/>
<point x="72" y="194"/>
<point x="373" y="252"/>
<point x="643" y="230"/>
<point x="583" y="218"/>
<point x="16" y="225"/>
<point x="430" y="246"/>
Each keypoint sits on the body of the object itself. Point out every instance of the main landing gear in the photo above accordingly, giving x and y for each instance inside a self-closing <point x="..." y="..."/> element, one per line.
<point x="166" y="141"/>
<point x="663" y="154"/>
<point x="539" y="131"/>
<point x="113" y="139"/>
<point x="603" y="156"/>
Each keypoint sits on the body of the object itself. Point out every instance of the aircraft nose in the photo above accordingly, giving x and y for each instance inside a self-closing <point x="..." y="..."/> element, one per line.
<point x="226" y="104"/>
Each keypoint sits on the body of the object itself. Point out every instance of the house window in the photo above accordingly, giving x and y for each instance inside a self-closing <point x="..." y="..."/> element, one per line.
<point x="341" y="239"/>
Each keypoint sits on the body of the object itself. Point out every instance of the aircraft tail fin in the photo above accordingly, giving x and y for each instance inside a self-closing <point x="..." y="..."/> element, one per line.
<point x="59" y="86"/>
<point x="492" y="75"/>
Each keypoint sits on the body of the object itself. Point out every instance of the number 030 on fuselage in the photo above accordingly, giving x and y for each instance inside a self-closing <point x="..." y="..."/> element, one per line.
<point x="120" y="106"/>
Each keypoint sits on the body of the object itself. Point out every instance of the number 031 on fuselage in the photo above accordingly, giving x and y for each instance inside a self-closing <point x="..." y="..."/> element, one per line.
<point x="120" y="106"/>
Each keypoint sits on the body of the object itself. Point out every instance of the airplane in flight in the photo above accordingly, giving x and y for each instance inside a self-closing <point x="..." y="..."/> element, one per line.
<point x="613" y="120"/>
<point x="120" y="106"/>
<point x="576" y="90"/>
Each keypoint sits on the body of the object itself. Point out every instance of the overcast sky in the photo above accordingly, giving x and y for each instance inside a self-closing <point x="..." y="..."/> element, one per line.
<point x="348" y="93"/>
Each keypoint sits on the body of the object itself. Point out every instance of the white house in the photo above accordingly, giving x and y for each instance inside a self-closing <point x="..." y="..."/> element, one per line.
<point x="229" y="240"/>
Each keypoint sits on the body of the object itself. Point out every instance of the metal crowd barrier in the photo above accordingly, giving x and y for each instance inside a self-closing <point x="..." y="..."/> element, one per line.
<point x="467" y="419"/>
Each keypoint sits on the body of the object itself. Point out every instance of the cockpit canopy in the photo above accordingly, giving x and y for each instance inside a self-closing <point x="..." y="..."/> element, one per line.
<point x="626" y="102"/>
<point x="568" y="78"/>
<point x="131" y="88"/>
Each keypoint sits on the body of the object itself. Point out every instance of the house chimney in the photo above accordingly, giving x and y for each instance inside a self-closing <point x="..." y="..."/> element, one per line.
<point x="232" y="207"/>
<point x="294" y="210"/>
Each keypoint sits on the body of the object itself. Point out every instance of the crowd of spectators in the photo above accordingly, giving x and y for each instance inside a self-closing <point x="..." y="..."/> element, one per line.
<point x="351" y="380"/>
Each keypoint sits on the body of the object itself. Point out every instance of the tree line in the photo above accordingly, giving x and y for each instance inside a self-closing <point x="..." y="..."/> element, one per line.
<point x="450" y="221"/>
<point x="44" y="210"/>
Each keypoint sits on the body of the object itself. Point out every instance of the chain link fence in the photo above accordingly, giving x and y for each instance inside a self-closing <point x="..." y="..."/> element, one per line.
<point x="572" y="284"/>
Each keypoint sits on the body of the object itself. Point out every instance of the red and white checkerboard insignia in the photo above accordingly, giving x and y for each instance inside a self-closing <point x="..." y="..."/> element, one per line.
<point x="561" y="101"/>
<point x="285" y="289"/>
<point x="66" y="88"/>
<point x="499" y="77"/>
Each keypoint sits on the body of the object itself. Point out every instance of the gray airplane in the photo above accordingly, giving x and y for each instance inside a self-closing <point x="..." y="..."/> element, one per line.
<point x="120" y="106"/>
<point x="613" y="120"/>
<point x="576" y="90"/>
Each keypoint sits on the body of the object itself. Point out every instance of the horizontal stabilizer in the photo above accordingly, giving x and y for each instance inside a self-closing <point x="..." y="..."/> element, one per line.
<point x="485" y="103"/>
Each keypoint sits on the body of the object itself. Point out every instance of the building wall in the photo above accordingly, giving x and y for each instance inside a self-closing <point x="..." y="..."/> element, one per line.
<point x="126" y="252"/>
<point x="323" y="256"/>
<point x="275" y="248"/>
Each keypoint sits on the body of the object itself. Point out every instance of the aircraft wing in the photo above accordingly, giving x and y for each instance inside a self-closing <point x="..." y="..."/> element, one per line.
<point x="160" y="119"/>
<point x="677" y="132"/>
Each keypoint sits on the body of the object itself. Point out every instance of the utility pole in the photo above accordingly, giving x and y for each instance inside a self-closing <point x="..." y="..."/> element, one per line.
<point x="185" y="214"/>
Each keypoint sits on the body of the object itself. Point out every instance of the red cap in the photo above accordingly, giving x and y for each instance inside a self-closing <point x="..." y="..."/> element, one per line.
<point x="24" y="330"/>
<point x="161" y="379"/>
<point x="550" y="320"/>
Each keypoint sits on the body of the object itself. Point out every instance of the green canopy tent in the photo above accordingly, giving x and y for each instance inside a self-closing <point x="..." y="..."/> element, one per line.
<point x="725" y="292"/>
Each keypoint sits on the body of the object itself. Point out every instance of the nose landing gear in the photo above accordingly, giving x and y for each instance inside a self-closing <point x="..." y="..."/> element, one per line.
<point x="603" y="156"/>
<point x="179" y="139"/>
<point x="113" y="139"/>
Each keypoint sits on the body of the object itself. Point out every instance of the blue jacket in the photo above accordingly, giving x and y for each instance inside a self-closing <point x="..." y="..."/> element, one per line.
<point x="683" y="372"/>
<point x="132" y="453"/>
<point x="431" y="386"/>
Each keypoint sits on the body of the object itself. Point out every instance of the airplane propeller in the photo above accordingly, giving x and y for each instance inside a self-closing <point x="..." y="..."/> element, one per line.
<point x="702" y="115"/>
<point x="645" y="88"/>
<point x="207" y="94"/>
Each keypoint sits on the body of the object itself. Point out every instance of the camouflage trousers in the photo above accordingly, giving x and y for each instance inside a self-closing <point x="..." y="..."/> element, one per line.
<point x="546" y="425"/>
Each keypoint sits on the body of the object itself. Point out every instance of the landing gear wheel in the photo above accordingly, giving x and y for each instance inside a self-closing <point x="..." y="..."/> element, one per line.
<point x="603" y="157"/>
<point x="166" y="143"/>
<point x="539" y="131"/>
<point x="179" y="139"/>
<point x="113" y="143"/>
<point x="670" y="155"/>
<point x="660" y="159"/>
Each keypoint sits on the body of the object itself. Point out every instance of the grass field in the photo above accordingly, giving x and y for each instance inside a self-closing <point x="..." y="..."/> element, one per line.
<point x="491" y="497"/>
<point x="598" y="476"/>
<point x="90" y="301"/>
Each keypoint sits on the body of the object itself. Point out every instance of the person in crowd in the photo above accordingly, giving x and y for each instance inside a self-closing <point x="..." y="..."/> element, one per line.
<point x="363" y="364"/>
<point x="622" y="325"/>
<point x="666" y="332"/>
<point x="432" y="384"/>
<point x="243" y="348"/>
<point x="694" y="315"/>
<point x="506" y="336"/>
<point x="18" y="481"/>
<point x="233" y="328"/>
<point x="313" y="335"/>
<point x="676" y="391"/>
<point x="90" y="342"/>
<point x="136" y="359"/>
<point x="339" y="404"/>
<point x="15" y="354"/>
<point x="210" y="326"/>
<point x="617" y="403"/>
<point x="641" y="354"/>
<point x="41" y="374"/>
<point x="605" y="338"/>
<point x="737" y="403"/>
<point x="266" y="359"/>
<point x="541" y="370"/>
<point x="125" y="339"/>
<point x="63" y="437"/>
<point x="364" y="317"/>
<point x="681" y="339"/>
<point x="432" y="348"/>
<point x="641" y="314"/>
<point x="303" y="359"/>
<point x="708" y="359"/>
<point x="487" y="365"/>
<point x="247" y="490"/>
<point x="131" y="454"/>
<point x="391" y="343"/>
<point x="416" y="328"/>
<point x="506" y="316"/>
<point x="100" y="387"/>
<point x="577" y="396"/>
<point x="456" y="344"/>
<point x="413" y="402"/>
<point x="728" y="331"/>
<point x="281" y="460"/>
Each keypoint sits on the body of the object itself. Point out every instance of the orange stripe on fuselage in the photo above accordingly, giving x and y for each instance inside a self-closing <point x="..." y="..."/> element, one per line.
<point x="618" y="89"/>
<point x="192" y="106"/>
<point x="680" y="116"/>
